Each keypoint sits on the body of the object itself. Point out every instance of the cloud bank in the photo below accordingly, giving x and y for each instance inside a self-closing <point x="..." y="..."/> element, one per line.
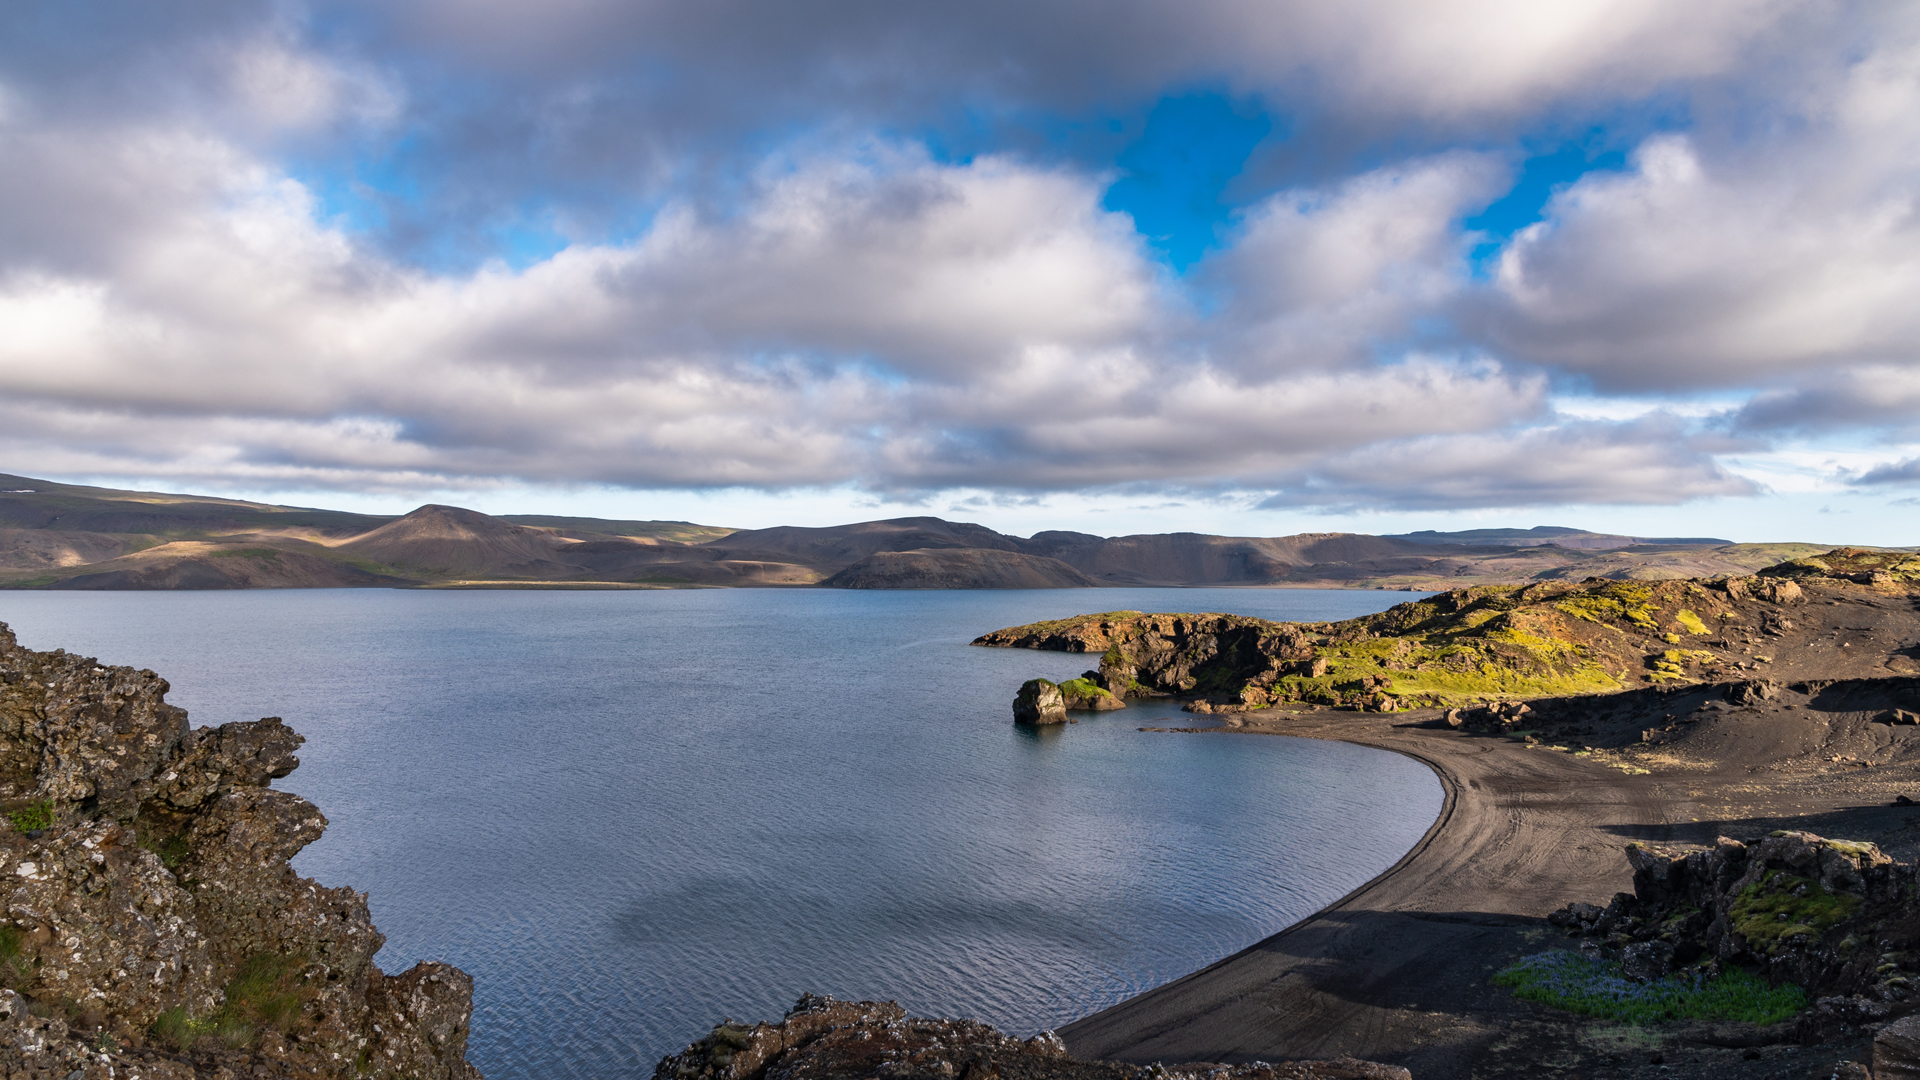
<point x="461" y="243"/>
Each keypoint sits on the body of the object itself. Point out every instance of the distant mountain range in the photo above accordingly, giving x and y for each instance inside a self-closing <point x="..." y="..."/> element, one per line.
<point x="64" y="536"/>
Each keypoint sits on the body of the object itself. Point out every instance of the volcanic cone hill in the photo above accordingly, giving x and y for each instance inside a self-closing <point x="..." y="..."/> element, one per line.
<point x="152" y="926"/>
<point x="447" y="540"/>
<point x="1848" y="613"/>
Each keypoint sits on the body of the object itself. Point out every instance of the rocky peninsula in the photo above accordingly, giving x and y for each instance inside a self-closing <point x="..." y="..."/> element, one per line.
<point x="1691" y="780"/>
<point x="150" y="925"/>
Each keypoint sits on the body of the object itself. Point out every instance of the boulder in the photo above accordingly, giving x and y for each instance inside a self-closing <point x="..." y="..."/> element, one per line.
<point x="1040" y="702"/>
<point x="1896" y="1050"/>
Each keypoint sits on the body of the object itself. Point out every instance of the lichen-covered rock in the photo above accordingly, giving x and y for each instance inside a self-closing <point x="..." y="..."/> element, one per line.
<point x="1039" y="702"/>
<point x="824" y="1039"/>
<point x="150" y="924"/>
<point x="419" y="1020"/>
<point x="1831" y="916"/>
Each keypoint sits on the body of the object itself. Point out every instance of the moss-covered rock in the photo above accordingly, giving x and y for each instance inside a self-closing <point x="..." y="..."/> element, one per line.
<point x="1085" y="693"/>
<point x="1796" y="908"/>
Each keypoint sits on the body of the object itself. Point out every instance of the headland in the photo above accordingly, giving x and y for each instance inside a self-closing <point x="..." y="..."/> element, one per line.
<point x="1788" y="709"/>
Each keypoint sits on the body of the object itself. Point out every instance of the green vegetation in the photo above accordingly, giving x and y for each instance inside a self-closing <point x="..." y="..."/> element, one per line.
<point x="266" y="991"/>
<point x="171" y="848"/>
<point x="178" y="1029"/>
<point x="1623" y="601"/>
<point x="1083" y="688"/>
<point x="16" y="968"/>
<point x="1781" y="907"/>
<point x="1691" y="621"/>
<point x="34" y="815"/>
<point x="1566" y="980"/>
<point x="1672" y="663"/>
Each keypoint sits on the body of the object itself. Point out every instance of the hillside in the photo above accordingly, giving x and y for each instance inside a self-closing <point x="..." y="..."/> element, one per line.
<point x="64" y="536"/>
<point x="958" y="568"/>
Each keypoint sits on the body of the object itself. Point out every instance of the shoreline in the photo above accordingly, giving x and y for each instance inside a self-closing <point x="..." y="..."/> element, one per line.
<point x="1398" y="970"/>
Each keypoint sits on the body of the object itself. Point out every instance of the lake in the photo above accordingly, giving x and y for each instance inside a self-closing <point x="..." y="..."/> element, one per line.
<point x="630" y="814"/>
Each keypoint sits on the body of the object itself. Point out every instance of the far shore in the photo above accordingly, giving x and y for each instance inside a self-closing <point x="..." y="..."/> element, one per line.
<point x="1399" y="970"/>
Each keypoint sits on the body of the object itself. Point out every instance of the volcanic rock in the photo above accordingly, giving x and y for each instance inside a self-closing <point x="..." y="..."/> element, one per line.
<point x="1039" y="702"/>
<point x="824" y="1039"/>
<point x="152" y="925"/>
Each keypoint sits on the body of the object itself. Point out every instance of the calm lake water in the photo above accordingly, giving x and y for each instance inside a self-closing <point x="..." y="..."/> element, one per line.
<point x="630" y="814"/>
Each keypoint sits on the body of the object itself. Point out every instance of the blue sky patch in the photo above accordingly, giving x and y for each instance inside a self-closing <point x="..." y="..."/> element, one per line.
<point x="1174" y="176"/>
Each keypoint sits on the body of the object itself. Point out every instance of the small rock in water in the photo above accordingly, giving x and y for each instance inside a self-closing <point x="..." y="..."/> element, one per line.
<point x="1040" y="702"/>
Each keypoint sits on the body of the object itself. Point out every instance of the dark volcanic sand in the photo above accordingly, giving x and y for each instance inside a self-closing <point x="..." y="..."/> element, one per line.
<point x="1399" y="971"/>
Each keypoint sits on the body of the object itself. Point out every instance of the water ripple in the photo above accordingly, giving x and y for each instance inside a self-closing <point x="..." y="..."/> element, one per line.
<point x="631" y="814"/>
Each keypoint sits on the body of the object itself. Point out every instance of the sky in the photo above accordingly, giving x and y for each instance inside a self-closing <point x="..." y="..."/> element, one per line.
<point x="1215" y="266"/>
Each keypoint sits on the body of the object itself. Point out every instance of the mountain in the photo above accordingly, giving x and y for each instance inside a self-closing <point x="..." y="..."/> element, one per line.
<point x="448" y="541"/>
<point x="65" y="536"/>
<point x="1557" y="536"/>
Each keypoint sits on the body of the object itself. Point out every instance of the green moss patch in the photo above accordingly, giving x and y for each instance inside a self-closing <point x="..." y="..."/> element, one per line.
<point x="1692" y="622"/>
<point x="267" y="990"/>
<point x="16" y="967"/>
<point x="1624" y="601"/>
<point x="1566" y="980"/>
<point x="1782" y="907"/>
<point x="1083" y="688"/>
<point x="1674" y="664"/>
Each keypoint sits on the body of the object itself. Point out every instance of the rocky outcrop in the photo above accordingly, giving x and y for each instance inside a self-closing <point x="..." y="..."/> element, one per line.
<point x="1862" y="566"/>
<point x="824" y="1039"/>
<point x="1833" y="917"/>
<point x="149" y="921"/>
<point x="1087" y="694"/>
<point x="1495" y="643"/>
<point x="1039" y="702"/>
<point x="1157" y="655"/>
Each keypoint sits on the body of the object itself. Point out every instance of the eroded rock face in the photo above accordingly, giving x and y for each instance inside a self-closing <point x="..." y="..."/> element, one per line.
<point x="824" y="1039"/>
<point x="1155" y="655"/>
<point x="150" y="923"/>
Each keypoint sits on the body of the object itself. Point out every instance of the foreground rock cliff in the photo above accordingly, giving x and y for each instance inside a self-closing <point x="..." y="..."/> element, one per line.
<point x="152" y="926"/>
<point x="824" y="1039"/>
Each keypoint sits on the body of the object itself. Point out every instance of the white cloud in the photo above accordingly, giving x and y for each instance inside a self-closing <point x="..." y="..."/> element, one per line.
<point x="879" y="319"/>
<point x="859" y="313"/>
<point x="1320" y="277"/>
<point x="1715" y="262"/>
<point x="1656" y="460"/>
